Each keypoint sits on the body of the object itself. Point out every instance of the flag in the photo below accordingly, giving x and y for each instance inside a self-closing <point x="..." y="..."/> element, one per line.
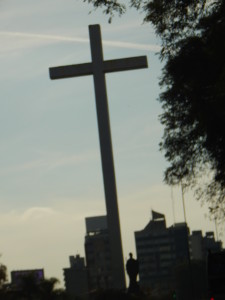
<point x="156" y="215"/>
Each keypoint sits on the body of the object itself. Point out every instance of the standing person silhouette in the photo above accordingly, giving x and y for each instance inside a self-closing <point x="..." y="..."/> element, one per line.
<point x="132" y="267"/>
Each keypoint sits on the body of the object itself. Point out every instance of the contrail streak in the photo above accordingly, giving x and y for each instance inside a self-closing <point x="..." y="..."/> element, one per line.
<point x="118" y="44"/>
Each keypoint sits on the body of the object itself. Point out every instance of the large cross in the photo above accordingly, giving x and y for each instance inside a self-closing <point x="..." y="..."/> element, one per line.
<point x="98" y="67"/>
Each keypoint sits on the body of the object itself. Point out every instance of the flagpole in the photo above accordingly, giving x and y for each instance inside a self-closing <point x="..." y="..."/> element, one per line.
<point x="172" y="198"/>
<point x="216" y="229"/>
<point x="189" y="256"/>
<point x="184" y="210"/>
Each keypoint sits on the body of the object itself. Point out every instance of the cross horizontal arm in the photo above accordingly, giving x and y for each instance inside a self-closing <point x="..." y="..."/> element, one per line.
<point x="71" y="71"/>
<point x="125" y="64"/>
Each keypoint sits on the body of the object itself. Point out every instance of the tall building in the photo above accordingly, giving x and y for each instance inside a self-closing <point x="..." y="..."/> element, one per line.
<point x="97" y="252"/>
<point x="196" y="245"/>
<point x="200" y="245"/>
<point x="210" y="244"/>
<point x="159" y="249"/>
<point x="75" y="278"/>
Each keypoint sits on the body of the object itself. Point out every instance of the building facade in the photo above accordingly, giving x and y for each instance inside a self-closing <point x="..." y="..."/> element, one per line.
<point x="159" y="249"/>
<point x="97" y="251"/>
<point x="200" y="245"/>
<point x="75" y="278"/>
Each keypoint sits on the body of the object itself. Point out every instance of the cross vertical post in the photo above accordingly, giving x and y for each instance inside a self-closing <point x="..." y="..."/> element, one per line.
<point x="107" y="159"/>
<point x="98" y="67"/>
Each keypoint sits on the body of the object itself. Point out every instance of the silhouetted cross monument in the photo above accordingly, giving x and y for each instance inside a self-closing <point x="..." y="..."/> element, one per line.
<point x="98" y="67"/>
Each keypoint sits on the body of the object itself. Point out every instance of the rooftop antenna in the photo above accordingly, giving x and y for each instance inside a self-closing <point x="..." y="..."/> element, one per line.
<point x="173" y="207"/>
<point x="182" y="194"/>
<point x="215" y="220"/>
<point x="189" y="255"/>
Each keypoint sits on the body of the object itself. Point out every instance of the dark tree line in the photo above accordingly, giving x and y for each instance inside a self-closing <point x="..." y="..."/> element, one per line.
<point x="30" y="289"/>
<point x="192" y="35"/>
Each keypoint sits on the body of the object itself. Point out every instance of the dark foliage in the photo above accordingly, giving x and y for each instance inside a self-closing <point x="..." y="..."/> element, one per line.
<point x="3" y="275"/>
<point x="191" y="280"/>
<point x="194" y="107"/>
<point x="30" y="289"/>
<point x="109" y="7"/>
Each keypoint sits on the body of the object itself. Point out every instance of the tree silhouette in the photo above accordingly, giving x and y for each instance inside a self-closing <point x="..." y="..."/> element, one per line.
<point x="28" y="287"/>
<point x="48" y="291"/>
<point x="3" y="275"/>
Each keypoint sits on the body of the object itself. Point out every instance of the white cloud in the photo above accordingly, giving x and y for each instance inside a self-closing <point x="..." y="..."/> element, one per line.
<point x="37" y="213"/>
<point x="44" y="38"/>
<point x="145" y="47"/>
<point x="51" y="161"/>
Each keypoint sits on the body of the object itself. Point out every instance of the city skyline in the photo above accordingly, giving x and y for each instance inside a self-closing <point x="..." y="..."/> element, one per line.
<point x="96" y="226"/>
<point x="51" y="177"/>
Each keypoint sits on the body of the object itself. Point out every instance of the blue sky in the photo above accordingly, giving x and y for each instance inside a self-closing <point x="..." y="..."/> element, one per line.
<point x="50" y="168"/>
